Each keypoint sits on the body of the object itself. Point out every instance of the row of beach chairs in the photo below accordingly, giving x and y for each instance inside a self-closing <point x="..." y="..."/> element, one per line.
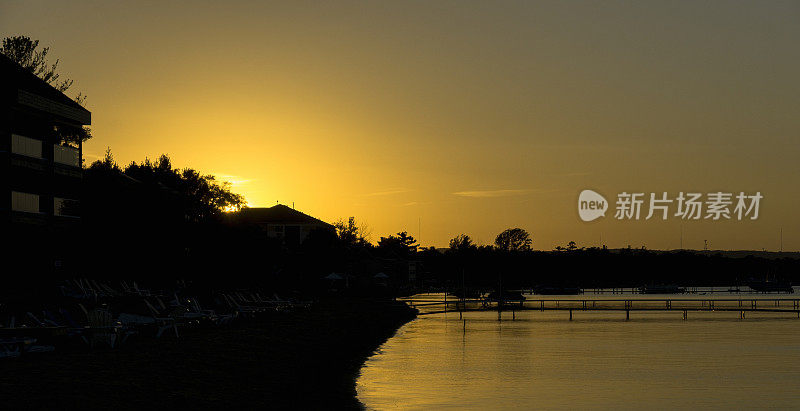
<point x="249" y="304"/>
<point x="85" y="315"/>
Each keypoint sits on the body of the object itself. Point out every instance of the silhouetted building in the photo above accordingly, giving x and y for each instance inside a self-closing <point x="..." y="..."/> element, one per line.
<point x="40" y="162"/>
<point x="282" y="223"/>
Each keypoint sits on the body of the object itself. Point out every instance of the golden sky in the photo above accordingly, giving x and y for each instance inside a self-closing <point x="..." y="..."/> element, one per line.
<point x="455" y="116"/>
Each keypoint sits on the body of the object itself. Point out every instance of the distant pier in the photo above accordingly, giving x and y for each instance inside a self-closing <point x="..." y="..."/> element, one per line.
<point x="743" y="306"/>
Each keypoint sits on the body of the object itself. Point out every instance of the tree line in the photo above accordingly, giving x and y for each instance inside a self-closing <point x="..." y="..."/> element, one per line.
<point x="151" y="219"/>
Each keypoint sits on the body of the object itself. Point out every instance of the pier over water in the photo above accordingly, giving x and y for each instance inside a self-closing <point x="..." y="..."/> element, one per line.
<point x="742" y="304"/>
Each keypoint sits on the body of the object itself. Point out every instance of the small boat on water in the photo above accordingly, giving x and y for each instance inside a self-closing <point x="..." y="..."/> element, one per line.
<point x="505" y="296"/>
<point x="465" y="293"/>
<point x="771" y="287"/>
<point x="662" y="289"/>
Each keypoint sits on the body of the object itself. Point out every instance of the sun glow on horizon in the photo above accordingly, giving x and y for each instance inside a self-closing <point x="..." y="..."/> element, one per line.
<point x="471" y="119"/>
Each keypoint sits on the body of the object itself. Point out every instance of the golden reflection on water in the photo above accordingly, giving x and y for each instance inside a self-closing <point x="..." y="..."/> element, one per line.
<point x="599" y="360"/>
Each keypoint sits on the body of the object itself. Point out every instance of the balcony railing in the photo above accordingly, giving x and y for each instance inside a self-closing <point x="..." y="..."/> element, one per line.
<point x="67" y="156"/>
<point x="26" y="146"/>
<point x="66" y="207"/>
<point x="25" y="202"/>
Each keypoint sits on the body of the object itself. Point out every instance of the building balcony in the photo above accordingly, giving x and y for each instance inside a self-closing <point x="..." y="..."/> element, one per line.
<point x="68" y="156"/>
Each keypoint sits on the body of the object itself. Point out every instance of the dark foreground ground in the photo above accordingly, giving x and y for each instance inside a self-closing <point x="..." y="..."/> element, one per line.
<point x="301" y="360"/>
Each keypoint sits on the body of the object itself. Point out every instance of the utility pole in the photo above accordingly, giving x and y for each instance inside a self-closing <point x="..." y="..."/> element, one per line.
<point x="419" y="231"/>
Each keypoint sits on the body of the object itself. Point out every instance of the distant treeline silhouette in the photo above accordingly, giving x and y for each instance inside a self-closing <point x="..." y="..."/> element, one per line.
<point x="600" y="268"/>
<point x="151" y="220"/>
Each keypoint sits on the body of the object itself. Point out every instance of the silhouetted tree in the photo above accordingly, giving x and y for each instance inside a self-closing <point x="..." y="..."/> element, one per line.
<point x="26" y="52"/>
<point x="462" y="242"/>
<point x="513" y="239"/>
<point x="152" y="215"/>
<point x="107" y="163"/>
<point x="350" y="233"/>
<point x="23" y="51"/>
<point x="402" y="243"/>
<point x="201" y="196"/>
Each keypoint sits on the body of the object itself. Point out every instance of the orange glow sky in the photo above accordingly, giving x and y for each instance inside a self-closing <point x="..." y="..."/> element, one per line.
<point x="465" y="116"/>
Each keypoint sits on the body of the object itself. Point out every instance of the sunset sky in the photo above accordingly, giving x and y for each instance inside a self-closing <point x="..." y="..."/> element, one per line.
<point x="459" y="117"/>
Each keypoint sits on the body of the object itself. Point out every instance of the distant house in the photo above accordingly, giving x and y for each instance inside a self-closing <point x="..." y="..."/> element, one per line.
<point x="282" y="223"/>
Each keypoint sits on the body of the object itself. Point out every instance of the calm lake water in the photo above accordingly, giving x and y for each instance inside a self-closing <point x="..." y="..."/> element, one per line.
<point x="598" y="360"/>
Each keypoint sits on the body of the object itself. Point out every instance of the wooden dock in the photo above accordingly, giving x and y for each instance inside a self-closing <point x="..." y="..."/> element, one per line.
<point x="683" y="305"/>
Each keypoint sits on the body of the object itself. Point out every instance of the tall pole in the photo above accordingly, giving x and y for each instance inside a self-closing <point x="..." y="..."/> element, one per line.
<point x="419" y="230"/>
<point x="500" y="298"/>
<point x="463" y="283"/>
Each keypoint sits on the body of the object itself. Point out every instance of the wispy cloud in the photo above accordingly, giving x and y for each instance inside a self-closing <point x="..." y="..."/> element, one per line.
<point x="233" y="179"/>
<point x="387" y="192"/>
<point x="492" y="193"/>
<point x="504" y="193"/>
<point x="91" y="156"/>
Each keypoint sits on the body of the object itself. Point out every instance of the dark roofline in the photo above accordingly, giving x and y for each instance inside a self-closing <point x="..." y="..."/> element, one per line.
<point x="277" y="214"/>
<point x="29" y="90"/>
